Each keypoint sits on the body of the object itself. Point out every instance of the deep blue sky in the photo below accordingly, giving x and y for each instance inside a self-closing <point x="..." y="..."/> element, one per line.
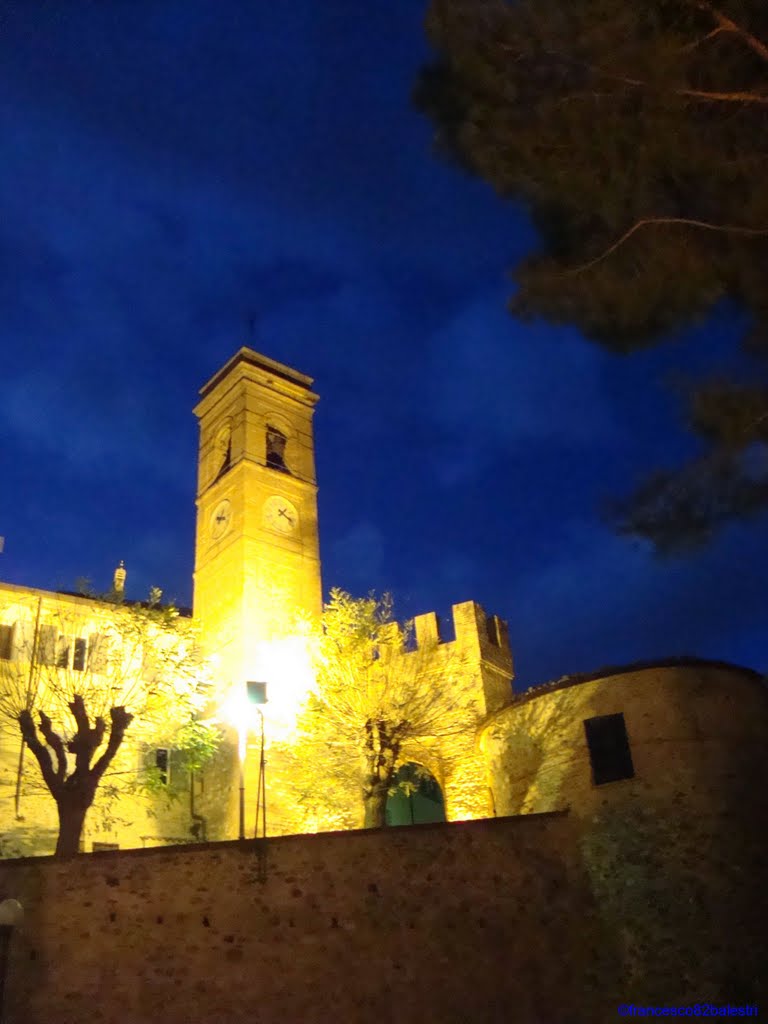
<point x="171" y="168"/>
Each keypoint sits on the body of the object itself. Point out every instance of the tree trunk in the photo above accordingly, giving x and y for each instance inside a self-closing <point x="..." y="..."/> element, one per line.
<point x="375" y="803"/>
<point x="71" y="821"/>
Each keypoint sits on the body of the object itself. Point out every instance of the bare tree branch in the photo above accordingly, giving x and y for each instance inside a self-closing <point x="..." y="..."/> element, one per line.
<point x="121" y="719"/>
<point x="56" y="743"/>
<point x="29" y="732"/>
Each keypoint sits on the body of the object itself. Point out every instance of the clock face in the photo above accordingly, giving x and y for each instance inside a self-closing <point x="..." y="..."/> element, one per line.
<point x="280" y="515"/>
<point x="220" y="519"/>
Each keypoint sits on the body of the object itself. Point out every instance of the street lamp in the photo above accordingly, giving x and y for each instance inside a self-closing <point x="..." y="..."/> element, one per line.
<point x="238" y="709"/>
<point x="257" y="694"/>
<point x="11" y="914"/>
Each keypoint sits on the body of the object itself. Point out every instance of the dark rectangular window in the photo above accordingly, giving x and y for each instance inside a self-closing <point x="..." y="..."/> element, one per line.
<point x="492" y="626"/>
<point x="78" y="658"/>
<point x="163" y="764"/>
<point x="46" y="645"/>
<point x="98" y="652"/>
<point x="609" y="748"/>
<point x="62" y="652"/>
<point x="6" y="643"/>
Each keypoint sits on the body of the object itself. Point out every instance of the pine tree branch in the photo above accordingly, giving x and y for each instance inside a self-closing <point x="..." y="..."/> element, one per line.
<point x="732" y="229"/>
<point x="726" y="24"/>
<point x="709" y="95"/>
<point x="724" y="97"/>
<point x="704" y="39"/>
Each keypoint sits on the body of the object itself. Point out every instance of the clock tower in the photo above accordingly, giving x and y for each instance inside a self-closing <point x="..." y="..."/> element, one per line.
<point x="257" y="558"/>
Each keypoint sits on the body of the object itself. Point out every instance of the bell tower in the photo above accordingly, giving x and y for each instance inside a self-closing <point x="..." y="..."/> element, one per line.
<point x="257" y="558"/>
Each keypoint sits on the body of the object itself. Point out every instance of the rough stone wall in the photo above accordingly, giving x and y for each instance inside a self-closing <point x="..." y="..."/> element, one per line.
<point x="697" y="735"/>
<point x="482" y="921"/>
<point x="676" y="855"/>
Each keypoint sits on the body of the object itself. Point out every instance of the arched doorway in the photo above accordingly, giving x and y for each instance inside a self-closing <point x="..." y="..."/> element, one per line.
<point x="418" y="798"/>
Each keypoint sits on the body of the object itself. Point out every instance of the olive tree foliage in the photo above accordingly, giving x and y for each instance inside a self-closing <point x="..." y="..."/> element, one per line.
<point x="82" y="675"/>
<point x="636" y="135"/>
<point x="377" y="703"/>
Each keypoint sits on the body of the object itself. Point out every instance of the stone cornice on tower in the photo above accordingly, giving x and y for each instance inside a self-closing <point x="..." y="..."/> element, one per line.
<point x="246" y="364"/>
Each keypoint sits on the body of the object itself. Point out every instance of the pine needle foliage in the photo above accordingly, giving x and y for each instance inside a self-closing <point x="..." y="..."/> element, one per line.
<point x="636" y="135"/>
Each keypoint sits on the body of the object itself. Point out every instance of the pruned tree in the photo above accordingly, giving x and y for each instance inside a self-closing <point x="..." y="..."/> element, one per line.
<point x="80" y="674"/>
<point x="636" y="135"/>
<point x="376" y="705"/>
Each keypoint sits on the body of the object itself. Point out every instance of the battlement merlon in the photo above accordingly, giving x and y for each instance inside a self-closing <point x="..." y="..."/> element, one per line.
<point x="482" y="638"/>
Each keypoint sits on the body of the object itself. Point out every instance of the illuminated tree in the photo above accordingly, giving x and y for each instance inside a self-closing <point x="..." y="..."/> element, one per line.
<point x="636" y="135"/>
<point x="376" y="705"/>
<point x="79" y="674"/>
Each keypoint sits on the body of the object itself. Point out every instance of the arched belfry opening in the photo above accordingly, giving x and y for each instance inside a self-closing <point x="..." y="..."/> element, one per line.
<point x="417" y="798"/>
<point x="276" y="442"/>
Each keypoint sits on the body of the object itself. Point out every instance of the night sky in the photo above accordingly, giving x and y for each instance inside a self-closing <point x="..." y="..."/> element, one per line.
<point x="182" y="178"/>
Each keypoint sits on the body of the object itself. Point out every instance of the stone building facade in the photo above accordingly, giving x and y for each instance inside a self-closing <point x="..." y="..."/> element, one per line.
<point x="661" y="739"/>
<point x="626" y="863"/>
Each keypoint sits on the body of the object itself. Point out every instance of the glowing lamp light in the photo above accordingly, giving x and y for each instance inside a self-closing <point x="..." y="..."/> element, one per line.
<point x="286" y="664"/>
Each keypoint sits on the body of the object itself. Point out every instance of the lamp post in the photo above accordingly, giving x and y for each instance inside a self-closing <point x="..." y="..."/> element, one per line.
<point x="11" y="914"/>
<point x="257" y="695"/>
<point x="242" y="737"/>
<point x="238" y="709"/>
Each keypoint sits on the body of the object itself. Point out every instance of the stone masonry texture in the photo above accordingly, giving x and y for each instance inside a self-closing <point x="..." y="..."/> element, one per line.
<point x="477" y="921"/>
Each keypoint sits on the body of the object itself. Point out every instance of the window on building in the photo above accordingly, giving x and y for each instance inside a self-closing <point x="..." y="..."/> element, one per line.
<point x="163" y="764"/>
<point x="6" y="643"/>
<point x="276" y="442"/>
<point x="46" y="645"/>
<point x="492" y="627"/>
<point x="62" y="652"/>
<point x="78" y="656"/>
<point x="608" y="748"/>
<point x="98" y="652"/>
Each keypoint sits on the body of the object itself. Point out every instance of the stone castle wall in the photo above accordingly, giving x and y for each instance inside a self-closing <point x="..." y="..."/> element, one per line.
<point x="676" y="853"/>
<point x="697" y="733"/>
<point x="482" y="921"/>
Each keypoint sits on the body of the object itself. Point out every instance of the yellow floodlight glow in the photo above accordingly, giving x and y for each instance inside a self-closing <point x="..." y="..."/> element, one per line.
<point x="285" y="665"/>
<point x="238" y="711"/>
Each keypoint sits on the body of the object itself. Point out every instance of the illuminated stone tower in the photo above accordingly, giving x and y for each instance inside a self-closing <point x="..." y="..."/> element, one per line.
<point x="257" y="559"/>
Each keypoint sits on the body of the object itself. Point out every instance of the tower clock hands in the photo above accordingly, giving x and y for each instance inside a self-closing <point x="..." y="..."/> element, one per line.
<point x="279" y="514"/>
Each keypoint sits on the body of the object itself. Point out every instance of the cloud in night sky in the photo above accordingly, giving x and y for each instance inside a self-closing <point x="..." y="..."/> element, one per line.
<point x="492" y="386"/>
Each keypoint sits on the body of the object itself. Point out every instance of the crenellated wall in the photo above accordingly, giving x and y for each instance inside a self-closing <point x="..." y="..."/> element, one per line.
<point x="476" y="670"/>
<point x="483" y="640"/>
